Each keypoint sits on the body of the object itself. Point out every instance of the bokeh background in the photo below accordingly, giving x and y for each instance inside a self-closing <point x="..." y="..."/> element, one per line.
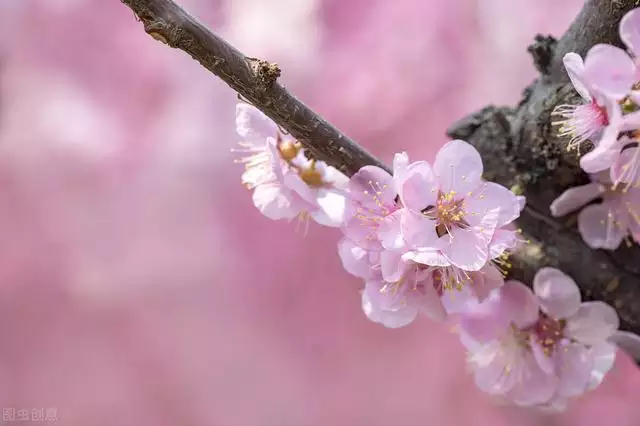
<point x="139" y="286"/>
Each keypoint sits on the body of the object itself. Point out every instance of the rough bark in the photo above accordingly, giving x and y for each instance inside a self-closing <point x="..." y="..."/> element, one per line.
<point x="519" y="145"/>
<point x="521" y="150"/>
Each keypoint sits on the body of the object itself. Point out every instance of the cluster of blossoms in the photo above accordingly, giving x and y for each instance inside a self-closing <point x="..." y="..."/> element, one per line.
<point x="608" y="80"/>
<point x="432" y="239"/>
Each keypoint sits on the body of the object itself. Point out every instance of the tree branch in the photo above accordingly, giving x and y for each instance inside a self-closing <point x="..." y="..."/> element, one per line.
<point x="518" y="145"/>
<point x="252" y="78"/>
<point x="521" y="149"/>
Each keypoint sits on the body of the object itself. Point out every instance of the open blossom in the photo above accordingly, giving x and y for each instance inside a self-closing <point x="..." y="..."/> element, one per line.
<point x="285" y="183"/>
<point x="395" y="296"/>
<point x="539" y="348"/>
<point x="605" y="77"/>
<point x="452" y="214"/>
<point x="603" y="225"/>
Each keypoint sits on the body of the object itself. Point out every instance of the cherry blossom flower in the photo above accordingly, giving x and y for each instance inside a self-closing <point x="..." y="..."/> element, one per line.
<point x="453" y="214"/>
<point x="393" y="296"/>
<point x="603" y="225"/>
<point x="539" y="348"/>
<point x="285" y="183"/>
<point x="605" y="77"/>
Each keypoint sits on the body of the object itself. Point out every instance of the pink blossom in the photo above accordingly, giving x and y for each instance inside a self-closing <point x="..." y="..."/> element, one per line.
<point x="539" y="348"/>
<point x="603" y="225"/>
<point x="605" y="77"/>
<point x="396" y="290"/>
<point x="453" y="214"/>
<point x="286" y="184"/>
<point x="630" y="33"/>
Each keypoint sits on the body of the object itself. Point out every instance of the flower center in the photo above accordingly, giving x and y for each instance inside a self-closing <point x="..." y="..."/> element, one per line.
<point x="580" y="122"/>
<point x="448" y="212"/>
<point x="549" y="331"/>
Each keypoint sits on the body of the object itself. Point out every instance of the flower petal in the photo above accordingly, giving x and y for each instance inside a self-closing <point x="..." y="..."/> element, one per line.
<point x="575" y="69"/>
<point x="520" y="302"/>
<point x="485" y="280"/>
<point x="419" y="231"/>
<point x="574" y="364"/>
<point x="376" y="311"/>
<point x="574" y="198"/>
<point x="533" y="386"/>
<point x="332" y="207"/>
<point x="486" y="321"/>
<point x="604" y="356"/>
<point x="390" y="231"/>
<point x="355" y="259"/>
<point x="630" y="30"/>
<point x="542" y="356"/>
<point x="502" y="240"/>
<point x="392" y="266"/>
<point x="253" y="125"/>
<point x="602" y="226"/>
<point x="428" y="302"/>
<point x="459" y="167"/>
<point x="466" y="248"/>
<point x="276" y="202"/>
<point x="558" y="295"/>
<point x="594" y="323"/>
<point x="426" y="257"/>
<point x="417" y="186"/>
<point x="495" y="367"/>
<point x="372" y="186"/>
<point x="610" y="70"/>
<point x="490" y="196"/>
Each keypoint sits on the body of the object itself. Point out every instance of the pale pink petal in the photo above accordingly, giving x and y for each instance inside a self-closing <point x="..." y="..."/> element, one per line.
<point x="390" y="231"/>
<point x="502" y="240"/>
<point x="594" y="323"/>
<point x="628" y="342"/>
<point x="400" y="164"/>
<point x="496" y="366"/>
<point x="604" y="357"/>
<point x="459" y="167"/>
<point x="372" y="186"/>
<point x="558" y="295"/>
<point x="520" y="302"/>
<point x="331" y="203"/>
<point x="490" y="196"/>
<point x="542" y="357"/>
<point x="275" y="202"/>
<point x="294" y="182"/>
<point x="626" y="166"/>
<point x="533" y="386"/>
<point x="355" y="259"/>
<point x="466" y="249"/>
<point x="485" y="280"/>
<point x="600" y="226"/>
<point x="522" y="201"/>
<point x="252" y="125"/>
<point x="610" y="70"/>
<point x="419" y="231"/>
<point x="426" y="257"/>
<point x="486" y="321"/>
<point x="576" y="197"/>
<point x="574" y="364"/>
<point x="630" y="30"/>
<point x="602" y="156"/>
<point x="418" y="187"/>
<point x="575" y="69"/>
<point x="389" y="318"/>
<point x="392" y="266"/>
<point x="361" y="232"/>
<point x="458" y="300"/>
<point x="428" y="302"/>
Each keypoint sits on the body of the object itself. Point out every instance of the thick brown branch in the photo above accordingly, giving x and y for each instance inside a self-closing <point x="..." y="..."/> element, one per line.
<point x="252" y="78"/>
<point x="521" y="149"/>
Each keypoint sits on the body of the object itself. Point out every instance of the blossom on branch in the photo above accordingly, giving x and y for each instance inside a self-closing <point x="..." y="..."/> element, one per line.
<point x="285" y="182"/>
<point x="539" y="348"/>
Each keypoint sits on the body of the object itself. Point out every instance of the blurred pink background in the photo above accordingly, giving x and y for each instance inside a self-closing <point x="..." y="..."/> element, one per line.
<point x="139" y="286"/>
